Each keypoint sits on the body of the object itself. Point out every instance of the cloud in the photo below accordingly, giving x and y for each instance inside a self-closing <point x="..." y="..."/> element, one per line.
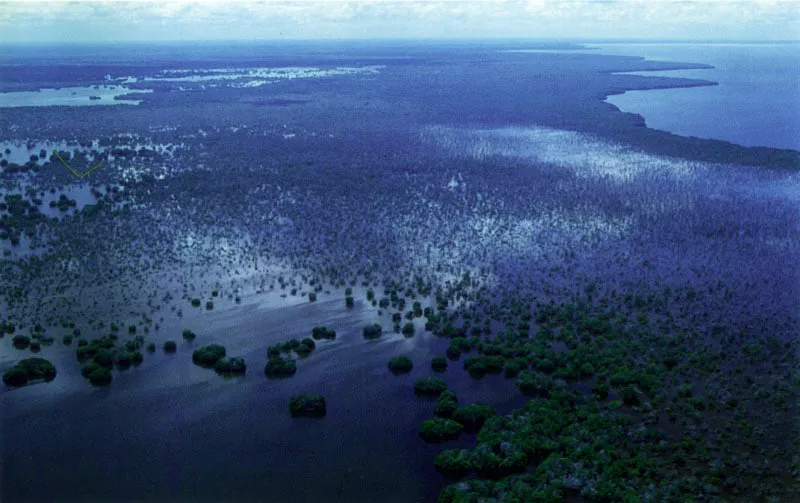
<point x="231" y="19"/>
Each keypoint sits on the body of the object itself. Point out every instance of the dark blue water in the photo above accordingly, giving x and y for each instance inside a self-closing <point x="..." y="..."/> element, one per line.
<point x="756" y="104"/>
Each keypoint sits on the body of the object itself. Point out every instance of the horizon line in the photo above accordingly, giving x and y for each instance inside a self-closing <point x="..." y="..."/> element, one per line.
<point x="407" y="39"/>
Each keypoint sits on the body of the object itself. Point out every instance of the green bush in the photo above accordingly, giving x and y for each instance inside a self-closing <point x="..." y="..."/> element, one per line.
<point x="429" y="386"/>
<point x="15" y="377"/>
<point x="307" y="405"/>
<point x="36" y="346"/>
<point x="534" y="383"/>
<point x="474" y="415"/>
<point x="67" y="339"/>
<point x="124" y="359"/>
<point x="512" y="368"/>
<point x="630" y="396"/>
<point x="232" y="365"/>
<point x="188" y="334"/>
<point x="400" y="364"/>
<point x="454" y="462"/>
<point x="21" y="341"/>
<point x="600" y="389"/>
<point x="440" y="430"/>
<point x="86" y="351"/>
<point x="29" y="369"/>
<point x="303" y="349"/>
<point x="196" y="302"/>
<point x="151" y="347"/>
<point x="100" y="376"/>
<point x="446" y="404"/>
<point x="90" y="367"/>
<point x="439" y="363"/>
<point x="494" y="461"/>
<point x="408" y="329"/>
<point x="207" y="356"/>
<point x="278" y="367"/>
<point x="373" y="331"/>
<point x="308" y="341"/>
<point x="170" y="347"/>
<point x="323" y="333"/>
<point x="349" y="302"/>
<point x="104" y="358"/>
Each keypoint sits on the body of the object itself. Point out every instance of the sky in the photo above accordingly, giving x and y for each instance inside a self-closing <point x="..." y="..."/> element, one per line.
<point x="114" y="20"/>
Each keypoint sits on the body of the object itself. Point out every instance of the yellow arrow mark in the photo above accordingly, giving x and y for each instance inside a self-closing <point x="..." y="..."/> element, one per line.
<point x="79" y="175"/>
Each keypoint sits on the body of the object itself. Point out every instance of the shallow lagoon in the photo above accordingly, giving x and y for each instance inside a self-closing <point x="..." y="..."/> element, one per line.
<point x="72" y="96"/>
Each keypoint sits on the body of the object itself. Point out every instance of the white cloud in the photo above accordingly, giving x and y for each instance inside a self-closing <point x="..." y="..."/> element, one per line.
<point x="749" y="19"/>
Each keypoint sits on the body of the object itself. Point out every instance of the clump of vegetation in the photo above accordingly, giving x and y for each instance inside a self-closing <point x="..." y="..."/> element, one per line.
<point x="29" y="369"/>
<point x="307" y="405"/>
<point x="535" y="383"/>
<point x="231" y="365"/>
<point x="170" y="347"/>
<point x="306" y="346"/>
<point x="429" y="386"/>
<point x="439" y="363"/>
<point x="473" y="416"/>
<point x="446" y="404"/>
<point x="373" y="331"/>
<point x="454" y="462"/>
<point x="188" y="335"/>
<point x="208" y="356"/>
<point x="100" y="376"/>
<point x="400" y="365"/>
<point x="278" y="367"/>
<point x="323" y="333"/>
<point x="21" y="341"/>
<point x="408" y="329"/>
<point x="440" y="430"/>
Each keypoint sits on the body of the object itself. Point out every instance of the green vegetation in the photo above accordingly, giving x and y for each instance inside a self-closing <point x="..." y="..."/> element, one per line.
<point x="100" y="376"/>
<point x="446" y="404"/>
<point x="373" y="331"/>
<point x="170" y="347"/>
<point x="439" y="363"/>
<point x="400" y="365"/>
<point x="21" y="341"/>
<point x="29" y="369"/>
<point x="429" y="386"/>
<point x="323" y="333"/>
<point x="307" y="405"/>
<point x="306" y="346"/>
<point x="408" y="329"/>
<point x="473" y="416"/>
<point x="454" y="462"/>
<point x="188" y="335"/>
<point x="208" y="356"/>
<point x="278" y="367"/>
<point x="440" y="430"/>
<point x="230" y="365"/>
